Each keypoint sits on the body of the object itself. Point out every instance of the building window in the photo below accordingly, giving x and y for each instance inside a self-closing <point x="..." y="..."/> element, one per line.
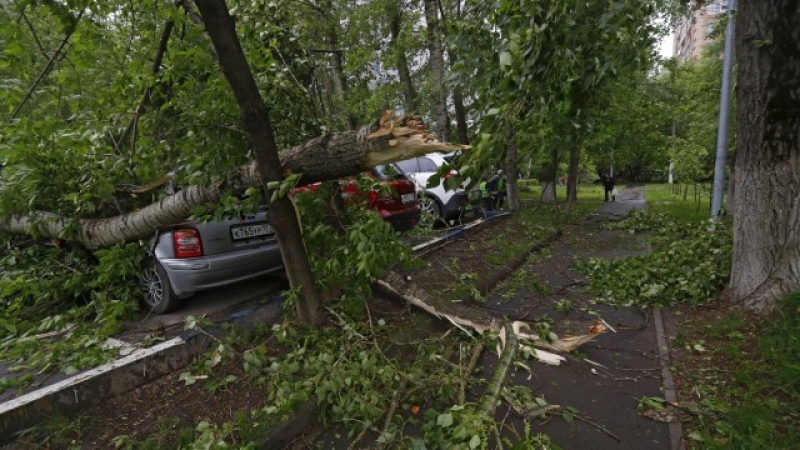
<point x="717" y="7"/>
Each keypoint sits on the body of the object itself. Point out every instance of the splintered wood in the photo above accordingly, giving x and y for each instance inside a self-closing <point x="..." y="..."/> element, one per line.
<point x="410" y="127"/>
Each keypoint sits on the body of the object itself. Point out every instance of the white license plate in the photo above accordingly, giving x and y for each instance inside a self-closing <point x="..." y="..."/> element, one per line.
<point x="250" y="231"/>
<point x="408" y="198"/>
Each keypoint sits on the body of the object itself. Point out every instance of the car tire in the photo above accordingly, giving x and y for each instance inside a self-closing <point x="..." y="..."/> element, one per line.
<point x="157" y="294"/>
<point x="430" y="204"/>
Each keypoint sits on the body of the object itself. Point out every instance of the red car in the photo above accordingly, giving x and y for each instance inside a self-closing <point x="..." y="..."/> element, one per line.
<point x="400" y="209"/>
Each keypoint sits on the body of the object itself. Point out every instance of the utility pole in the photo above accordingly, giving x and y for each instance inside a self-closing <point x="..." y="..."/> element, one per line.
<point x="724" y="112"/>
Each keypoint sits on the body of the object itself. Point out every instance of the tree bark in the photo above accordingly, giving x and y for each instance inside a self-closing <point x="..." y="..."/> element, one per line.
<point x="573" y="173"/>
<point x="437" y="70"/>
<point x="512" y="172"/>
<point x="549" y="194"/>
<point x="410" y="98"/>
<point x="766" y="251"/>
<point x="327" y="157"/>
<point x="255" y="115"/>
<point x="461" y="116"/>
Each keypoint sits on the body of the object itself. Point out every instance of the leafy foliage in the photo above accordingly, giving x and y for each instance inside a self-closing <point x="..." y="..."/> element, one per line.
<point x="58" y="322"/>
<point x="690" y="263"/>
<point x="548" y="63"/>
<point x="349" y="244"/>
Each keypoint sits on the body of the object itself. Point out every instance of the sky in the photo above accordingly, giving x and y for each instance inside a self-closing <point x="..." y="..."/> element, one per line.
<point x="665" y="48"/>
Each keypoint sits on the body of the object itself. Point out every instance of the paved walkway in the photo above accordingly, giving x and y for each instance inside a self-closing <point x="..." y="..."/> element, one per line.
<point x="603" y="386"/>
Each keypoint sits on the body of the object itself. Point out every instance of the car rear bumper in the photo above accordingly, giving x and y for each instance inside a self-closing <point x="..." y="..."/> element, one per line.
<point x="456" y="205"/>
<point x="402" y="220"/>
<point x="190" y="275"/>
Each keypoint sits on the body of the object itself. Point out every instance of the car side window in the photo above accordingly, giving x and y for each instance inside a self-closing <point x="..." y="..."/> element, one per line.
<point x="427" y="165"/>
<point x="409" y="165"/>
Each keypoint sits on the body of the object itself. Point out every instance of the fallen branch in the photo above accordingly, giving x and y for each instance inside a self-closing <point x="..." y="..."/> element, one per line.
<point x="467" y="318"/>
<point x="509" y="340"/>
<point x="473" y="362"/>
<point x="393" y="406"/>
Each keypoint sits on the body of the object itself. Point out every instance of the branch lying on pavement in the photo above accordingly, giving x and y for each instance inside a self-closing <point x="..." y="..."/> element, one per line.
<point x="467" y="318"/>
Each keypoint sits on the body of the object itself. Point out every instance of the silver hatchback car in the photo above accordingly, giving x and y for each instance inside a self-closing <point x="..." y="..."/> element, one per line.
<point x="192" y="257"/>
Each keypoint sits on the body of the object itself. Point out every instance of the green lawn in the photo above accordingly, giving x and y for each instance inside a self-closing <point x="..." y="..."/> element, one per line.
<point x="660" y="198"/>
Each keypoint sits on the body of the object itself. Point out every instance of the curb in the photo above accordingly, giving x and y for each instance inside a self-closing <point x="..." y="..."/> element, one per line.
<point x="668" y="382"/>
<point x="515" y="264"/>
<point x="125" y="374"/>
<point x="453" y="235"/>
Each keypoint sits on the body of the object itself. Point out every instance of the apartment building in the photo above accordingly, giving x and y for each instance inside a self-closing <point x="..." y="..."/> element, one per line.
<point x="692" y="33"/>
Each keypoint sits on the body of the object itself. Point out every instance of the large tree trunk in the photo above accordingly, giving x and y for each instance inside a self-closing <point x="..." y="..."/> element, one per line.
<point x="410" y="99"/>
<point x="766" y="250"/>
<point x="327" y="157"/>
<point x="282" y="215"/>
<point x="461" y="116"/>
<point x="437" y="70"/>
<point x="512" y="171"/>
<point x="549" y="194"/>
<point x="572" y="173"/>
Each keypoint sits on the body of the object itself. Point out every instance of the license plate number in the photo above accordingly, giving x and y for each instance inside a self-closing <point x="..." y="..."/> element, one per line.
<point x="250" y="231"/>
<point x="408" y="198"/>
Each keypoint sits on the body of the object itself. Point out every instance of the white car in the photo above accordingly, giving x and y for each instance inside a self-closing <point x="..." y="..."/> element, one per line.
<point x="439" y="201"/>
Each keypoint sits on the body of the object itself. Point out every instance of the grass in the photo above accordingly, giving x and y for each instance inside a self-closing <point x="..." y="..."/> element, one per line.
<point x="662" y="199"/>
<point x="586" y="192"/>
<point x="749" y="388"/>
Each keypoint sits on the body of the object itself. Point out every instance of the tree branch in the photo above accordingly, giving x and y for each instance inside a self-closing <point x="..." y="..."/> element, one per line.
<point x="145" y="100"/>
<point x="47" y="68"/>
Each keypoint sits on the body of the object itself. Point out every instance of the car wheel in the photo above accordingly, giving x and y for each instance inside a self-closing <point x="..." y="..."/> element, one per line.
<point x="157" y="295"/>
<point x="431" y="205"/>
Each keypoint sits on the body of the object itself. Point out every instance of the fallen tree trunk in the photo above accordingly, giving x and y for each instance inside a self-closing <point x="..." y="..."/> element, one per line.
<point x="465" y="318"/>
<point x="327" y="157"/>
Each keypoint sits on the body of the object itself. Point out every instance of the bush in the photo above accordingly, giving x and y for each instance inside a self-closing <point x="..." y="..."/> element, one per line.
<point x="530" y="185"/>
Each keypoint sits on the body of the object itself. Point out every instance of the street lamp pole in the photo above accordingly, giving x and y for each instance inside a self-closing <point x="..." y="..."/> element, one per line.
<point x="724" y="112"/>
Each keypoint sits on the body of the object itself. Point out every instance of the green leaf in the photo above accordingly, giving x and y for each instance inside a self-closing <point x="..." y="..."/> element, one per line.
<point x="505" y="59"/>
<point x="14" y="49"/>
<point x="695" y="436"/>
<point x="444" y="420"/>
<point x="474" y="442"/>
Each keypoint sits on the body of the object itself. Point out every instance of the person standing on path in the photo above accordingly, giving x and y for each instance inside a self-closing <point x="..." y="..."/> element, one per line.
<point x="496" y="187"/>
<point x="608" y="184"/>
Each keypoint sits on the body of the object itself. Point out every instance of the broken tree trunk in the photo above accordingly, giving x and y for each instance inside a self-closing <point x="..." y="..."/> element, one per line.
<point x="327" y="157"/>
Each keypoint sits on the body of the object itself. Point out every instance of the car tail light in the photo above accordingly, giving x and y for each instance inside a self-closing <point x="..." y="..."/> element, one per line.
<point x="449" y="175"/>
<point x="187" y="243"/>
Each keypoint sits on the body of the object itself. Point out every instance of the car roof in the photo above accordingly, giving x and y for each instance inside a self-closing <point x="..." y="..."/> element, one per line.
<point x="438" y="158"/>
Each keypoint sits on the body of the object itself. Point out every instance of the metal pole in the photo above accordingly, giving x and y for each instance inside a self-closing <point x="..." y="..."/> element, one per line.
<point x="724" y="107"/>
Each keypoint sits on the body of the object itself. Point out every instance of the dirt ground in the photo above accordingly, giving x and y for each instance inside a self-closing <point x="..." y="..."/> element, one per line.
<point x="602" y="395"/>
